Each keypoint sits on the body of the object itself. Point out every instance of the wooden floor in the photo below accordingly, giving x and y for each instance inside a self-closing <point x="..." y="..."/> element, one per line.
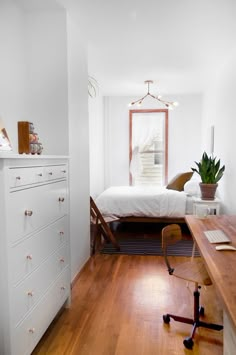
<point x="117" y="307"/>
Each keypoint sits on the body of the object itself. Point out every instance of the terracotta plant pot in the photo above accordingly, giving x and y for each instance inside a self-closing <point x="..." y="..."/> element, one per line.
<point x="208" y="191"/>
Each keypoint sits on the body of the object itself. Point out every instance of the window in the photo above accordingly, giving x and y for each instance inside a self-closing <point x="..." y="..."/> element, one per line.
<point x="148" y="148"/>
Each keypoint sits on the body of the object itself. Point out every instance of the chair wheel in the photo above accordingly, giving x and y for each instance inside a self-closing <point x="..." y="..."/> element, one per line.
<point x="188" y="343"/>
<point x="166" y="319"/>
<point x="201" y="311"/>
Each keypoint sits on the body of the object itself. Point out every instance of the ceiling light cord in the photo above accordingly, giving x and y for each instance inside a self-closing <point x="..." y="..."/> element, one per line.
<point x="168" y="104"/>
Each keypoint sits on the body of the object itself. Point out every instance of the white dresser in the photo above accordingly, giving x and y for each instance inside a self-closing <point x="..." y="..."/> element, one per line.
<point x="34" y="248"/>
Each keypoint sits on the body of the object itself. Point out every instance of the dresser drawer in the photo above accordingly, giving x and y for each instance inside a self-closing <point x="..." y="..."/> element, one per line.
<point x="28" y="333"/>
<point x="28" y="293"/>
<point x="55" y="172"/>
<point x="18" y="177"/>
<point x="31" y="252"/>
<point x="32" y="208"/>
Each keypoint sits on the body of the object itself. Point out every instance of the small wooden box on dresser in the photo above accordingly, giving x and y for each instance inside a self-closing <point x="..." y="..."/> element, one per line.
<point x="34" y="248"/>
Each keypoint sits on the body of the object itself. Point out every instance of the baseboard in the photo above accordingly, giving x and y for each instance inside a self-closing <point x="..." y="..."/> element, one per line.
<point x="75" y="279"/>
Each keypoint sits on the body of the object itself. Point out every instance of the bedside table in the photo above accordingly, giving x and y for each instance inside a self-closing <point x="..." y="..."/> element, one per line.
<point x="213" y="205"/>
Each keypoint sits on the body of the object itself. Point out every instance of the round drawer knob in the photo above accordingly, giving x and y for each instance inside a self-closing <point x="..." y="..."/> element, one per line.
<point x="28" y="213"/>
<point x="18" y="177"/>
<point x="63" y="171"/>
<point x="61" y="199"/>
<point x="30" y="293"/>
<point x="62" y="260"/>
<point x="40" y="174"/>
<point x="29" y="257"/>
<point x="61" y="233"/>
<point x="50" y="173"/>
<point x="31" y="330"/>
<point x="63" y="288"/>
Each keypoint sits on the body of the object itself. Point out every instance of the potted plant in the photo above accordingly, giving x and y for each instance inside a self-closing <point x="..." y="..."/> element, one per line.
<point x="210" y="172"/>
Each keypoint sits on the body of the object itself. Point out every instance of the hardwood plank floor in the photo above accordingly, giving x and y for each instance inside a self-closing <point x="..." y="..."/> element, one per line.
<point x="117" y="307"/>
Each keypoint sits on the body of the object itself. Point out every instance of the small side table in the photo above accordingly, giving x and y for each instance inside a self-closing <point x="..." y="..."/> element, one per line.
<point x="213" y="205"/>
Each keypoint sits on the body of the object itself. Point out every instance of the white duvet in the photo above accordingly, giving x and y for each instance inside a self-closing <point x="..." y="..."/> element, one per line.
<point x="142" y="201"/>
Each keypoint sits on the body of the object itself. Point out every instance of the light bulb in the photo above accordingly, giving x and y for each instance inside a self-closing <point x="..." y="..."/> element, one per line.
<point x="175" y="103"/>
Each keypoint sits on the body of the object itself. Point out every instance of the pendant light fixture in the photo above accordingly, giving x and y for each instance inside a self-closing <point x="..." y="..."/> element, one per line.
<point x="168" y="104"/>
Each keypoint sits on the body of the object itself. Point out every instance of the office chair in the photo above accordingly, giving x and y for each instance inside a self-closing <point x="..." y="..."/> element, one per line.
<point x="191" y="271"/>
<point x="101" y="224"/>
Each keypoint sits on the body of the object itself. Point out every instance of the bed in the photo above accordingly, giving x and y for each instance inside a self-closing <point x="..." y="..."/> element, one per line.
<point x="145" y="204"/>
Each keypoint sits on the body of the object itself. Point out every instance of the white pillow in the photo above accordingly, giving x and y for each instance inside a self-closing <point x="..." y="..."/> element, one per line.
<point x="192" y="187"/>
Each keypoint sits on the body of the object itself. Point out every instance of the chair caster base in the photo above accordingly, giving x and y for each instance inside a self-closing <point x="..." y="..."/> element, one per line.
<point x="201" y="311"/>
<point x="188" y="343"/>
<point x="166" y="318"/>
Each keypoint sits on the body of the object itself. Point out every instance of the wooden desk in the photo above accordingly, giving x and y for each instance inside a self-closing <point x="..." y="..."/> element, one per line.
<point x="221" y="266"/>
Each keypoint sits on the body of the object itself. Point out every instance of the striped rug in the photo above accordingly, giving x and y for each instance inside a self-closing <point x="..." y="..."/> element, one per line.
<point x="149" y="246"/>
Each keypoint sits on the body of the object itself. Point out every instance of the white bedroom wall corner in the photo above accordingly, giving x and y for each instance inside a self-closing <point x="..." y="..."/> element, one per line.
<point x="96" y="145"/>
<point x="47" y="78"/>
<point x="225" y="127"/>
<point x="220" y="110"/>
<point x="107" y="147"/>
<point x="13" y="67"/>
<point x="117" y="140"/>
<point x="78" y="147"/>
<point x="33" y="72"/>
<point x="185" y="133"/>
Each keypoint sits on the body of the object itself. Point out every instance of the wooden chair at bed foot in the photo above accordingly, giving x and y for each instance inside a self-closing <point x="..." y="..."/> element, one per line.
<point x="191" y="271"/>
<point x="101" y="226"/>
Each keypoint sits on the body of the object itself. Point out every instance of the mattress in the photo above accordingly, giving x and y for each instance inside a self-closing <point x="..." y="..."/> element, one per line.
<point x="144" y="201"/>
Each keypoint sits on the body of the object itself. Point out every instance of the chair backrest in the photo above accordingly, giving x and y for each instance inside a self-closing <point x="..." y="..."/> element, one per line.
<point x="171" y="234"/>
<point x="94" y="212"/>
<point x="97" y="218"/>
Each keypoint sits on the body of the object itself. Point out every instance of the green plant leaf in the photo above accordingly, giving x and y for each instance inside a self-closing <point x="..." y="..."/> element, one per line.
<point x="209" y="169"/>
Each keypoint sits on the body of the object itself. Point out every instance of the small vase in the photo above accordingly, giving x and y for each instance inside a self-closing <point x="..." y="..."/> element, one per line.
<point x="208" y="191"/>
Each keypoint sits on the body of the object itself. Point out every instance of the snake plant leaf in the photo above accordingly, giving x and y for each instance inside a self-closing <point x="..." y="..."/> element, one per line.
<point x="209" y="169"/>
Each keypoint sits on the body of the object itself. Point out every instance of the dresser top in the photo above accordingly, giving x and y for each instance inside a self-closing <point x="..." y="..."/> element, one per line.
<point x="10" y="155"/>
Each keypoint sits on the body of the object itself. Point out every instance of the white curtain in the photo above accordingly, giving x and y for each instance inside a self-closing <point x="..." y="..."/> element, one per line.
<point x="145" y="131"/>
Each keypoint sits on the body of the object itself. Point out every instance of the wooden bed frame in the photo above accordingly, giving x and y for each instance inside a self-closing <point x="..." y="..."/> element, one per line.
<point x="152" y="219"/>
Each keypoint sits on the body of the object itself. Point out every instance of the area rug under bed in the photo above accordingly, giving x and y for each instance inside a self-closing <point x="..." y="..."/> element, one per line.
<point x="149" y="246"/>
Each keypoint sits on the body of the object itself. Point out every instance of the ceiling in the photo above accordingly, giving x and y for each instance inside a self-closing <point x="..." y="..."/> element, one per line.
<point x="178" y="44"/>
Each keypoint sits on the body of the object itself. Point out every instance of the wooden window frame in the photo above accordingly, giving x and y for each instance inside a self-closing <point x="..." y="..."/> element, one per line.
<point x="166" y="137"/>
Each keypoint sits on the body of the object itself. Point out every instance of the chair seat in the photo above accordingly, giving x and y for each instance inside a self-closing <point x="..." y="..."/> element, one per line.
<point x="193" y="271"/>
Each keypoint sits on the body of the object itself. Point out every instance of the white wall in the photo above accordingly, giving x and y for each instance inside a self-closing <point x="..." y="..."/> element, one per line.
<point x="79" y="148"/>
<point x="33" y="71"/>
<point x="185" y="128"/>
<point x="96" y="145"/>
<point x="185" y="123"/>
<point x="13" y="95"/>
<point x="219" y="110"/>
<point x="47" y="71"/>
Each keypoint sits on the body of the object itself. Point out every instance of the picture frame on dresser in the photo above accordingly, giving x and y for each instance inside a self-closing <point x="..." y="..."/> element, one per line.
<point x="5" y="144"/>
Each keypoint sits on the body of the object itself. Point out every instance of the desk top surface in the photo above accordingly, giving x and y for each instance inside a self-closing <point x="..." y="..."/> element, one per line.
<point x="221" y="265"/>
